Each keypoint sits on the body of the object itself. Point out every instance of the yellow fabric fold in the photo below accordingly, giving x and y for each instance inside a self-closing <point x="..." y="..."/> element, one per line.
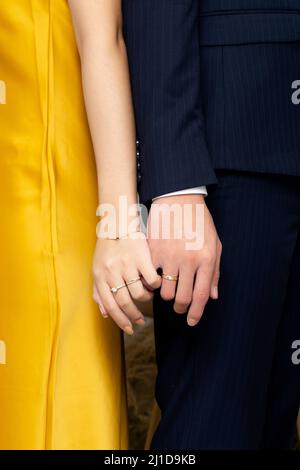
<point x="62" y="386"/>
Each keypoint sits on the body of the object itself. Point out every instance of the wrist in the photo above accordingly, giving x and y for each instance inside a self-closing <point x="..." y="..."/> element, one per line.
<point x="181" y="199"/>
<point x="119" y="200"/>
<point x="118" y="219"/>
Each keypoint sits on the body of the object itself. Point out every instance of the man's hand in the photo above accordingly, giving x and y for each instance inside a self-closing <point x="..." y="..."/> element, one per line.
<point x="198" y="269"/>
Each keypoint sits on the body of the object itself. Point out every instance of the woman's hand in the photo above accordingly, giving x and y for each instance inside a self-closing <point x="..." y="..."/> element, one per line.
<point x="117" y="262"/>
<point x="107" y="91"/>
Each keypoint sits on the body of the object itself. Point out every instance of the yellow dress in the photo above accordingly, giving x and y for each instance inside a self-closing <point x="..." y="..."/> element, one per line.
<point x="61" y="365"/>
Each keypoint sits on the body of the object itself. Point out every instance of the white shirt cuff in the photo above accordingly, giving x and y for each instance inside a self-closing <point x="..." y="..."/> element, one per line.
<point x="199" y="190"/>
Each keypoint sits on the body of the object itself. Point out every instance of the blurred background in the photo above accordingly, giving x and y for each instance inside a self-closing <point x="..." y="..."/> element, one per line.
<point x="141" y="374"/>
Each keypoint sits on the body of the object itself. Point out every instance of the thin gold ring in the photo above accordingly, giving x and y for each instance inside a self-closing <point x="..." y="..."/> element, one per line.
<point x="169" y="277"/>
<point x="114" y="290"/>
<point x="132" y="281"/>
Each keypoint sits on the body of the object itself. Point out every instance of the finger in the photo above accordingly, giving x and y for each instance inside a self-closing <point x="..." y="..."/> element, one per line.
<point x="184" y="292"/>
<point x="113" y="310"/>
<point x="123" y="298"/>
<point x="148" y="289"/>
<point x="98" y="301"/>
<point x="126" y="304"/>
<point x="96" y="296"/>
<point x="137" y="290"/>
<point x="150" y="276"/>
<point x="168" y="288"/>
<point x="200" y="294"/>
<point x="214" y="291"/>
<point x="155" y="257"/>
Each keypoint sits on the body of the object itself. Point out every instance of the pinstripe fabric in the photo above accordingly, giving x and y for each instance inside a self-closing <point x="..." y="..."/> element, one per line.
<point x="209" y="6"/>
<point x="173" y="66"/>
<point x="229" y="382"/>
<point x="212" y="90"/>
<point x="251" y="122"/>
<point x="225" y="22"/>
<point x="163" y="47"/>
<point x="249" y="28"/>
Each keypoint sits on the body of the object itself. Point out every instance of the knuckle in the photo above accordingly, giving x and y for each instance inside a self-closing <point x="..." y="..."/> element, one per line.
<point x="110" y="308"/>
<point x="190" y="257"/>
<point x="183" y="301"/>
<point x="96" y="272"/>
<point x="201" y="296"/>
<point x="125" y="259"/>
<point x="109" y="265"/>
<point x="124" y="304"/>
<point x="139" y="295"/>
<point x="152" y="280"/>
<point x="209" y="256"/>
<point x="191" y="254"/>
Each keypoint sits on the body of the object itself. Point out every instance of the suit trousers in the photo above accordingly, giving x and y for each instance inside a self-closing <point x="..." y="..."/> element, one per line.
<point x="233" y="382"/>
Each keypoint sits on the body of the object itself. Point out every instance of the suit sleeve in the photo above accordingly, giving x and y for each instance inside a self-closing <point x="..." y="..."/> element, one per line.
<point x="162" y="38"/>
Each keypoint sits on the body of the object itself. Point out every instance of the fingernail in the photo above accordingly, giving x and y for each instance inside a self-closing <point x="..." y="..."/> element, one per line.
<point x="128" y="330"/>
<point x="104" y="315"/>
<point x="192" y="322"/>
<point x="215" y="292"/>
<point x="141" y="322"/>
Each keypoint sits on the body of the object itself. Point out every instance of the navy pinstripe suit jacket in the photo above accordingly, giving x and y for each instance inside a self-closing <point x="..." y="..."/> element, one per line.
<point x="212" y="88"/>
